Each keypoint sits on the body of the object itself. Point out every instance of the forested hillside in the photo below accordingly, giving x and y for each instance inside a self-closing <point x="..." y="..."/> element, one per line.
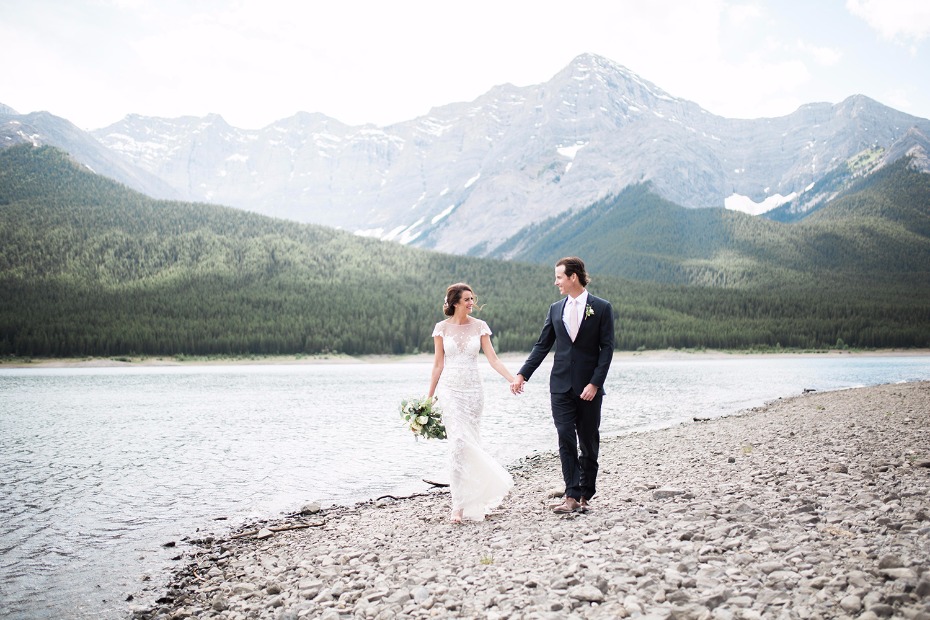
<point x="88" y="267"/>
<point x="878" y="232"/>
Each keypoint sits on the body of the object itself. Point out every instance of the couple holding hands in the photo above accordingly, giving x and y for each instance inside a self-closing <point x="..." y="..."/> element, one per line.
<point x="581" y="326"/>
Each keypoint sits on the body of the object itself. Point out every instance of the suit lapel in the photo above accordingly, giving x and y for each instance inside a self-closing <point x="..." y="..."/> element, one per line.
<point x="584" y="312"/>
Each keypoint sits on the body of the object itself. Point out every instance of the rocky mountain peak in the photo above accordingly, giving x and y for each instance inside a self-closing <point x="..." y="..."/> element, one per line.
<point x="467" y="176"/>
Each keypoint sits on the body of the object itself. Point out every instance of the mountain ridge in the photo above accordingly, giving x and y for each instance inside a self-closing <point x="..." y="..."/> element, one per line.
<point x="467" y="176"/>
<point x="44" y="128"/>
<point x="878" y="230"/>
<point x="464" y="176"/>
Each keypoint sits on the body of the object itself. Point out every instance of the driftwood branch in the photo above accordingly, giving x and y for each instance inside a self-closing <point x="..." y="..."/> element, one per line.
<point x="395" y="497"/>
<point x="296" y="526"/>
<point x="279" y="528"/>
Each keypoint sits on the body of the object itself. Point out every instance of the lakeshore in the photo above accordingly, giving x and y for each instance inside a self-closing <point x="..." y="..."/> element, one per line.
<point x="514" y="358"/>
<point x="814" y="506"/>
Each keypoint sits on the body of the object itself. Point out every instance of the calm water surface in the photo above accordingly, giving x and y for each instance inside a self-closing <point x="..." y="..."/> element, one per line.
<point x="100" y="467"/>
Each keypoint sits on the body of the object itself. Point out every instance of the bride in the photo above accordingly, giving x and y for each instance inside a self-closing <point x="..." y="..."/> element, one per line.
<point x="479" y="483"/>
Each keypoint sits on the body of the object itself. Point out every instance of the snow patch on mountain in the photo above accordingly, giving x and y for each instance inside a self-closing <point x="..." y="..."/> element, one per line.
<point x="745" y="204"/>
<point x="445" y="212"/>
<point x="410" y="234"/>
<point x="571" y="151"/>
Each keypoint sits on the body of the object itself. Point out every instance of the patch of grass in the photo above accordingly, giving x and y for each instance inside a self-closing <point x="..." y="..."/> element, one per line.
<point x="15" y="359"/>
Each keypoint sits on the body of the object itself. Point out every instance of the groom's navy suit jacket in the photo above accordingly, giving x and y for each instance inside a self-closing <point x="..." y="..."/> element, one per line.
<point x="578" y="363"/>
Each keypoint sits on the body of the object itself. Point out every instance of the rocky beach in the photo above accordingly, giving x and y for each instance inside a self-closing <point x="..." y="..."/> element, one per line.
<point x="814" y="506"/>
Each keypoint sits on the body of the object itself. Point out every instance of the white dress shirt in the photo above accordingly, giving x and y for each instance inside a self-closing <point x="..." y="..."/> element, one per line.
<point x="574" y="305"/>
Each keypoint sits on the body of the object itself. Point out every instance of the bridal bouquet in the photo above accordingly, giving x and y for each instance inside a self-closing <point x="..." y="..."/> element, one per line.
<point x="424" y="417"/>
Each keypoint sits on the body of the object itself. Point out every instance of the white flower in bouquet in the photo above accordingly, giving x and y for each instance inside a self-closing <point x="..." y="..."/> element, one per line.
<point x="423" y="417"/>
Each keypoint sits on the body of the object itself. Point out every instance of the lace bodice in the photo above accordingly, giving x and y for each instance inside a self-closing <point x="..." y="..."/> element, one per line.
<point x="461" y="343"/>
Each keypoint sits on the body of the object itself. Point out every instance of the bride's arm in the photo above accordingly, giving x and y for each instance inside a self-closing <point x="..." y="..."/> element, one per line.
<point x="438" y="358"/>
<point x="493" y="360"/>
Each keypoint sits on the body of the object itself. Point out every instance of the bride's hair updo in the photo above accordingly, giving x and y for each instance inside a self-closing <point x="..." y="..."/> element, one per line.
<point x="453" y="296"/>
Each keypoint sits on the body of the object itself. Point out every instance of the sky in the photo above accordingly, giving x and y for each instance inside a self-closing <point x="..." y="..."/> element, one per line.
<point x="254" y="62"/>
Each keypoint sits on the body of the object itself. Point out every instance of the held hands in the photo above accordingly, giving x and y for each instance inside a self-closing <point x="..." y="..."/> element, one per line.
<point x="588" y="393"/>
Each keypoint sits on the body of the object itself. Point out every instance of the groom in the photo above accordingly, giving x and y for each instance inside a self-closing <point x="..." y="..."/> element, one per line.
<point x="581" y="327"/>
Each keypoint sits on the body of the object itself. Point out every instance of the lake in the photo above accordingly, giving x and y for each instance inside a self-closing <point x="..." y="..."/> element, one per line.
<point x="102" y="466"/>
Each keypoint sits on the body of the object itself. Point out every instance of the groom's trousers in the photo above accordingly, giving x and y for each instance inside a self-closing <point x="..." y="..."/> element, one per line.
<point x="577" y="423"/>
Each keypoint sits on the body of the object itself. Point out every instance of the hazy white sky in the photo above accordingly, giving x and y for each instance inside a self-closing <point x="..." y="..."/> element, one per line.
<point x="374" y="61"/>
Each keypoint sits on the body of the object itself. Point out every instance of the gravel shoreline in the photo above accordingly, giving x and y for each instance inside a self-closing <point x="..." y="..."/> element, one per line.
<point x="816" y="506"/>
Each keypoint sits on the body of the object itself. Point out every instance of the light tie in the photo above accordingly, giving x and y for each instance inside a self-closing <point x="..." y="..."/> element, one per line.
<point x="572" y="319"/>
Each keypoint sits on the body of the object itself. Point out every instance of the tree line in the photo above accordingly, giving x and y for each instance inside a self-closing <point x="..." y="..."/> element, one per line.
<point x="90" y="268"/>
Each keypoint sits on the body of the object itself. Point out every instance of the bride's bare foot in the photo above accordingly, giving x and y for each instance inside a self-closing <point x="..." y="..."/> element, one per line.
<point x="456" y="516"/>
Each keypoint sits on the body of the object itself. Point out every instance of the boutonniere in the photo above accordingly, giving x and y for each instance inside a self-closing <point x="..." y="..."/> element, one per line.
<point x="588" y="311"/>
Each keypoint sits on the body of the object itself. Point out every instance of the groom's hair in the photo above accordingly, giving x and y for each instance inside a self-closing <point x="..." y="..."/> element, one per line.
<point x="574" y="265"/>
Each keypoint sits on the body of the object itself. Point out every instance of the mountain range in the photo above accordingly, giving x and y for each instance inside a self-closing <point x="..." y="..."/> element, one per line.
<point x="473" y="178"/>
<point x="90" y="267"/>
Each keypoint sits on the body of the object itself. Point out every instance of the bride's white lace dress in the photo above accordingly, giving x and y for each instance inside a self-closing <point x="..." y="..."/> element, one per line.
<point x="479" y="483"/>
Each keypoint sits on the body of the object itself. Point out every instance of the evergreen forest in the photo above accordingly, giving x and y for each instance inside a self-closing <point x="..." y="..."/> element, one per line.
<point x="91" y="268"/>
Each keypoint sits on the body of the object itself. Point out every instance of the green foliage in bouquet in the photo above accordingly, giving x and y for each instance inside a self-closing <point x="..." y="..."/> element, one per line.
<point x="423" y="417"/>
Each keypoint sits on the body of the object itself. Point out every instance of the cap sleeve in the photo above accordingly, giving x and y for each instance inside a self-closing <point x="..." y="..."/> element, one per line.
<point x="483" y="329"/>
<point x="438" y="330"/>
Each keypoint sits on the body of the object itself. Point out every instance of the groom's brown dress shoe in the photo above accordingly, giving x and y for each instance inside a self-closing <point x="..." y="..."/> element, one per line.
<point x="568" y="506"/>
